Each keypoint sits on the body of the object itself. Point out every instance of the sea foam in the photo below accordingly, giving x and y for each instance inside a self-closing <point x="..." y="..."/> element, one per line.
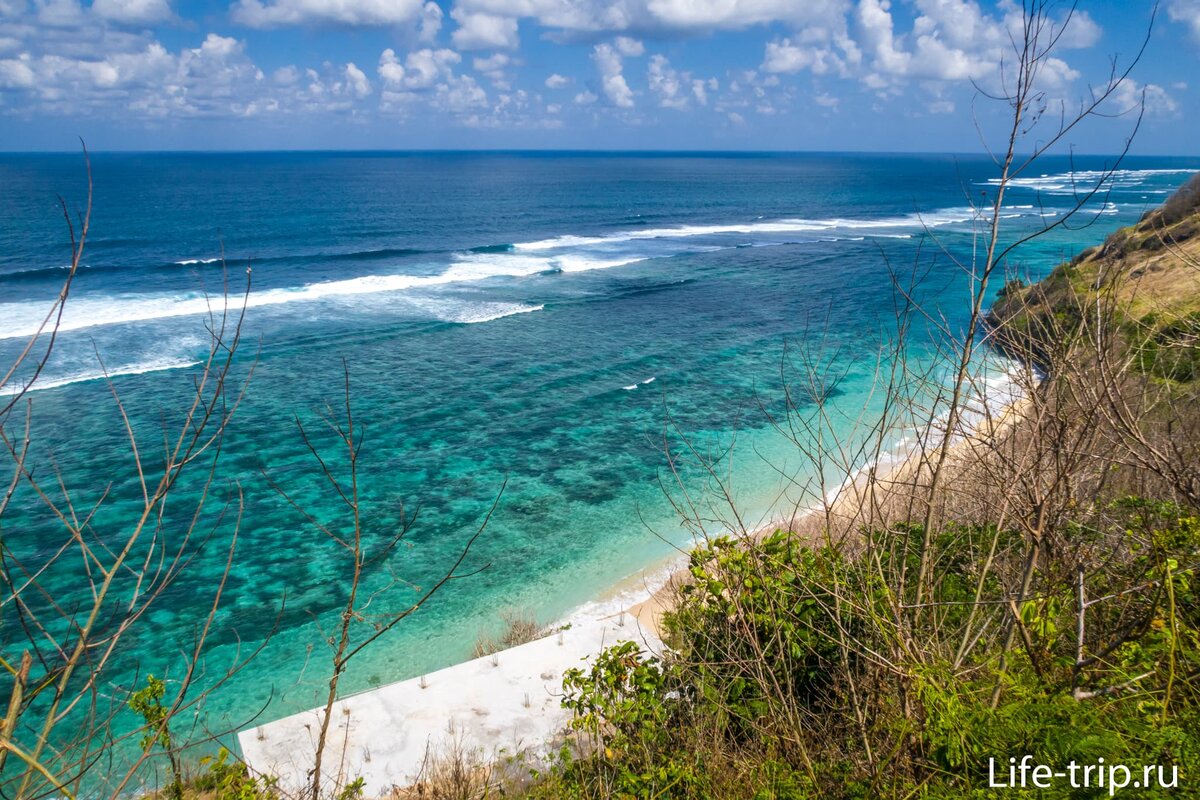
<point x="945" y="216"/>
<point x="575" y="254"/>
<point x="139" y="368"/>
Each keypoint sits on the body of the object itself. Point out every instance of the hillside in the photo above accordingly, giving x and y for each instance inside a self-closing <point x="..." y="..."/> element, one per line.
<point x="1145" y="279"/>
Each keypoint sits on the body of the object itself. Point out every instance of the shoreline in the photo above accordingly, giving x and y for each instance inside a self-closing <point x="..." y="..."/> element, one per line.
<point x="646" y="595"/>
<point x="506" y="705"/>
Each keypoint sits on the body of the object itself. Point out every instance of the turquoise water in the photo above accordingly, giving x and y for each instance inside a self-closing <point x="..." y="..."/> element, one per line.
<point x="534" y="318"/>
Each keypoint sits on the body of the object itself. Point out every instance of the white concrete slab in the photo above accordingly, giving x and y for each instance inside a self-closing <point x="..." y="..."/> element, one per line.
<point x="491" y="707"/>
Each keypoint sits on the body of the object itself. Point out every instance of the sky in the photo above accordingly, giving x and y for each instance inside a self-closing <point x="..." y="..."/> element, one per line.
<point x="826" y="75"/>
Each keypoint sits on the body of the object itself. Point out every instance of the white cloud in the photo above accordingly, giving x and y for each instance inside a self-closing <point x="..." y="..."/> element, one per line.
<point x="17" y="73"/>
<point x="732" y="14"/>
<point x="421" y="70"/>
<point x="700" y="89"/>
<point x="875" y="24"/>
<point x="1081" y="32"/>
<point x="630" y="48"/>
<point x="612" y="79"/>
<point x="133" y="12"/>
<point x="685" y="16"/>
<point x="214" y="79"/>
<point x="459" y="94"/>
<point x="585" y="99"/>
<point x="60" y="13"/>
<point x="955" y="41"/>
<point x="483" y="31"/>
<point x="1187" y="12"/>
<point x="276" y="13"/>
<point x="493" y="67"/>
<point x="785" y="56"/>
<point x="357" y="81"/>
<point x="557" y="81"/>
<point x="1130" y="96"/>
<point x="431" y="21"/>
<point x="492" y="63"/>
<point x="286" y="76"/>
<point x="668" y="84"/>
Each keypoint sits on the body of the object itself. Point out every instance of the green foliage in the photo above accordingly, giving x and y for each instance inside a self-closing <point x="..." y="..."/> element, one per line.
<point x="622" y="694"/>
<point x="770" y="604"/>
<point x="758" y="629"/>
<point x="623" y="702"/>
<point x="1169" y="350"/>
<point x="147" y="703"/>
<point x="226" y="778"/>
<point x="351" y="791"/>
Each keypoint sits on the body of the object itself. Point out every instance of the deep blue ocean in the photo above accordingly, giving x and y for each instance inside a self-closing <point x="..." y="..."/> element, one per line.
<point x="547" y="319"/>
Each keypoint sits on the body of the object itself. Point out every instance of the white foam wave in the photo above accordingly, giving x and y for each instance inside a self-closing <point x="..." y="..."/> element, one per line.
<point x="152" y="365"/>
<point x="636" y="588"/>
<point x="23" y="319"/>
<point x="189" y="261"/>
<point x="630" y="387"/>
<point x="497" y="311"/>
<point x="1082" y="181"/>
<point x="648" y="380"/>
<point x="469" y="313"/>
<point x="946" y="216"/>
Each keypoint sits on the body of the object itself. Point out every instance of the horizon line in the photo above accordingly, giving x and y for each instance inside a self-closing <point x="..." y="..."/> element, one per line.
<point x="566" y="151"/>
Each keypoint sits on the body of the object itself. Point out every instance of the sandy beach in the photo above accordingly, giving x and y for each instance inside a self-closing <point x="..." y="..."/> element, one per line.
<point x="841" y="508"/>
<point x="493" y="709"/>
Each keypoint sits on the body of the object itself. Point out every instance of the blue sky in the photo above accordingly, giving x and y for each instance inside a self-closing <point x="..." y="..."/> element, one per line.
<point x="903" y="75"/>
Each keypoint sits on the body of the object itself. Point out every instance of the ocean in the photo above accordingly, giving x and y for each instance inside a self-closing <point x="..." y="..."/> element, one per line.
<point x="553" y="323"/>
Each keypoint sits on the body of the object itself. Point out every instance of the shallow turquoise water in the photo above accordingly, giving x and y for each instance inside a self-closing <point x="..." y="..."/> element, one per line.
<point x="519" y="317"/>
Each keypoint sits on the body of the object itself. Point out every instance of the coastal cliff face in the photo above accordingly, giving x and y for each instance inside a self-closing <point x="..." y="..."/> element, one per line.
<point x="1143" y="282"/>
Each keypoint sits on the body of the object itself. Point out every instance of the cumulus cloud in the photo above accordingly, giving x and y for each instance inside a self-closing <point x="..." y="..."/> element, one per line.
<point x="1187" y="12"/>
<point x="826" y="101"/>
<point x="1152" y="99"/>
<point x="612" y="79"/>
<point x="357" y="81"/>
<point x="494" y="69"/>
<point x="483" y="31"/>
<point x="665" y="82"/>
<point x="133" y="12"/>
<point x="684" y="16"/>
<point x="60" y="13"/>
<point x="557" y="81"/>
<point x="1081" y="31"/>
<point x="460" y="94"/>
<point x="277" y="13"/>
<point x="783" y="55"/>
<point x="421" y="70"/>
<point x="431" y="21"/>
<point x="215" y="78"/>
<point x="878" y="37"/>
<point x="950" y="41"/>
<point x="631" y="48"/>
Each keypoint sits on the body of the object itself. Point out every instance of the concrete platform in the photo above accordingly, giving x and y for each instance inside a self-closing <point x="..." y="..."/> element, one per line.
<point x="489" y="708"/>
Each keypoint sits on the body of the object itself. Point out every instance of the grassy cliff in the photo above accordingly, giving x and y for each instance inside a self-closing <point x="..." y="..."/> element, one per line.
<point x="1145" y="280"/>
